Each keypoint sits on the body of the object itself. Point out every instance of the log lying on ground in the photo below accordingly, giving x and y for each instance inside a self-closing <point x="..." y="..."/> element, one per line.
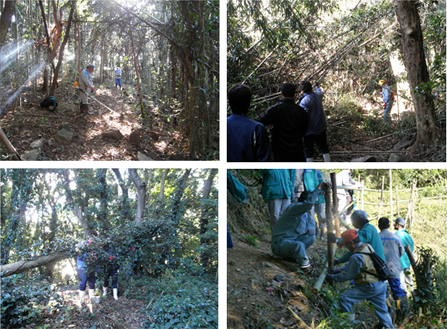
<point x="25" y="265"/>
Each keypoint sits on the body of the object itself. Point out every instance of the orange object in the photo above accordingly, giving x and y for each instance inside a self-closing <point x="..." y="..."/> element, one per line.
<point x="76" y="84"/>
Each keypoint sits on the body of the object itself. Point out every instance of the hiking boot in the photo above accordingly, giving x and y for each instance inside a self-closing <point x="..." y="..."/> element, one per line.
<point x="400" y="310"/>
<point x="84" y="108"/>
<point x="306" y="268"/>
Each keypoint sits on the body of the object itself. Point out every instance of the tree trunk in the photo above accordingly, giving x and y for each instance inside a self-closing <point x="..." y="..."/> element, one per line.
<point x="25" y="265"/>
<point x="203" y="218"/>
<point x="61" y="53"/>
<point x="417" y="73"/>
<point x="76" y="210"/>
<point x="141" y="190"/>
<point x="125" y="198"/>
<point x="103" y="198"/>
<point x="161" y="195"/>
<point x="5" y="20"/>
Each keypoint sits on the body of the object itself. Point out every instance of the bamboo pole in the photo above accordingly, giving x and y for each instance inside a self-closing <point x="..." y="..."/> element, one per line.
<point x="391" y="194"/>
<point x="9" y="146"/>
<point x="362" y="195"/>
<point x="330" y="226"/>
<point x="335" y="201"/>
<point x="397" y="203"/>
<point x="138" y="76"/>
<point x="317" y="286"/>
<point x="381" y="196"/>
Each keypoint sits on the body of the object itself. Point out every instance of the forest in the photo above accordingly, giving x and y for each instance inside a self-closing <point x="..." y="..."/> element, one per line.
<point x="348" y="48"/>
<point x="267" y="291"/>
<point x="156" y="227"/>
<point x="164" y="106"/>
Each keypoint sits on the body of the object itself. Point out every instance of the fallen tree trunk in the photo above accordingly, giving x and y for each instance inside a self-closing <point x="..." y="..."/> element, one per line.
<point x="25" y="265"/>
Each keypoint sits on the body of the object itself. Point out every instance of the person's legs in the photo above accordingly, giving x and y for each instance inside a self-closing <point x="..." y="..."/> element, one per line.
<point x="387" y="111"/>
<point x="293" y="250"/>
<point x="408" y="280"/>
<point x="398" y="295"/>
<point x="321" y="141"/>
<point x="83" y="277"/>
<point x="309" y="147"/>
<point x="119" y="82"/>
<point x="276" y="207"/>
<point x="377" y="297"/>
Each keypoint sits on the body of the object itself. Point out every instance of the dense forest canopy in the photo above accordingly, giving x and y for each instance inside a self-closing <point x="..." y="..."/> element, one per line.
<point x="347" y="47"/>
<point x="168" y="53"/>
<point x="168" y="216"/>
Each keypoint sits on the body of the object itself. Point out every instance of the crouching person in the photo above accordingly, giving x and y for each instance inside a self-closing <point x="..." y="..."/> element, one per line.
<point x="295" y="229"/>
<point x="368" y="286"/>
<point x="87" y="278"/>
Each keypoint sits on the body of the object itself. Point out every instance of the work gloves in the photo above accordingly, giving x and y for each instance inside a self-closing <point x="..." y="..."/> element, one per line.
<point x="331" y="237"/>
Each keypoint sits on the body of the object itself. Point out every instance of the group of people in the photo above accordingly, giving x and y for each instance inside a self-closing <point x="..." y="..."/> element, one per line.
<point x="295" y="198"/>
<point x="86" y="88"/>
<point x="88" y="278"/>
<point x="359" y="267"/>
<point x="296" y="127"/>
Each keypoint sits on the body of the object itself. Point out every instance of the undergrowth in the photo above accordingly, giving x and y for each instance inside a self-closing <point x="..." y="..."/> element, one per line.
<point x="25" y="300"/>
<point x="177" y="300"/>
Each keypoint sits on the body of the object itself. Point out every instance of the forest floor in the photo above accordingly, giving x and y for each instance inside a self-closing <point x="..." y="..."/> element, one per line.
<point x="31" y="123"/>
<point x="261" y="287"/>
<point x="124" y="313"/>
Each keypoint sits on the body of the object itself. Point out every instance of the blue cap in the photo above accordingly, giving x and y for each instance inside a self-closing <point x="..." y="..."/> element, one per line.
<point x="359" y="215"/>
<point x="400" y="221"/>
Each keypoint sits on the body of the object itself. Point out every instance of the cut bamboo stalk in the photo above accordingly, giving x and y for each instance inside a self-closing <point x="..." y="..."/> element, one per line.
<point x="297" y="317"/>
<point x="8" y="145"/>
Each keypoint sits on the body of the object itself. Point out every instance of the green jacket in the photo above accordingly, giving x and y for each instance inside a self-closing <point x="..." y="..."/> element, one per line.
<point x="368" y="234"/>
<point x="277" y="183"/>
<point x="406" y="239"/>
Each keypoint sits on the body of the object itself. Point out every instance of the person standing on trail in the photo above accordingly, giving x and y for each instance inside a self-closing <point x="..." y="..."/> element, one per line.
<point x="312" y="178"/>
<point x="290" y="123"/>
<point x="368" y="286"/>
<point x="295" y="229"/>
<point x="387" y="100"/>
<point x="67" y="278"/>
<point x="312" y="103"/>
<point x="118" y="78"/>
<point x="367" y="233"/>
<point x="85" y="87"/>
<point x="247" y="140"/>
<point x="406" y="239"/>
<point x="344" y="198"/>
<point x="87" y="278"/>
<point x="277" y="186"/>
<point x="394" y="250"/>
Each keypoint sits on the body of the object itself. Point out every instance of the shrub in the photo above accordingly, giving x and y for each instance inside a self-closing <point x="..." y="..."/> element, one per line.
<point x="23" y="300"/>
<point x="181" y="301"/>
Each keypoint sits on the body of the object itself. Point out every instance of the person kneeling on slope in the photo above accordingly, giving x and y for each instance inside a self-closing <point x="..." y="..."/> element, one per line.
<point x="295" y="229"/>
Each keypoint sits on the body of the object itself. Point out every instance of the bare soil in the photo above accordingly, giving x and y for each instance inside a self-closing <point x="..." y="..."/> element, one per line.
<point x="159" y="140"/>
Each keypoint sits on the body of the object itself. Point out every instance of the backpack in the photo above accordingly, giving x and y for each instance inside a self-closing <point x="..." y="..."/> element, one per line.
<point x="392" y="96"/>
<point x="383" y="272"/>
<point x="49" y="103"/>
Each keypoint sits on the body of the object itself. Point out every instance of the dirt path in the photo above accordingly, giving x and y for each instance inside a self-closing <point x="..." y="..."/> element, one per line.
<point x="32" y="123"/>
<point x="123" y="313"/>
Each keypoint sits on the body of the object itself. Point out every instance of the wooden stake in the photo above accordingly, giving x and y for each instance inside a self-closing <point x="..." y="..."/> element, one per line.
<point x="9" y="146"/>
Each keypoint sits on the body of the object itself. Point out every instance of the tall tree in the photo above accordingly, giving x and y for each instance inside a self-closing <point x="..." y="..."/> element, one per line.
<point x="6" y="19"/>
<point x="414" y="59"/>
<point x="141" y="190"/>
<point x="204" y="221"/>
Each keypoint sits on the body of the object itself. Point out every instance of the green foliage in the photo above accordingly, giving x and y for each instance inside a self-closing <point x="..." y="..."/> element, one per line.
<point x="25" y="300"/>
<point x="178" y="301"/>
<point x="251" y="240"/>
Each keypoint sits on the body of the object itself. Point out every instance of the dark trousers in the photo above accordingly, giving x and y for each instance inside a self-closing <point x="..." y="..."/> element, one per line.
<point x="320" y="140"/>
<point x="87" y="278"/>
<point x="111" y="273"/>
